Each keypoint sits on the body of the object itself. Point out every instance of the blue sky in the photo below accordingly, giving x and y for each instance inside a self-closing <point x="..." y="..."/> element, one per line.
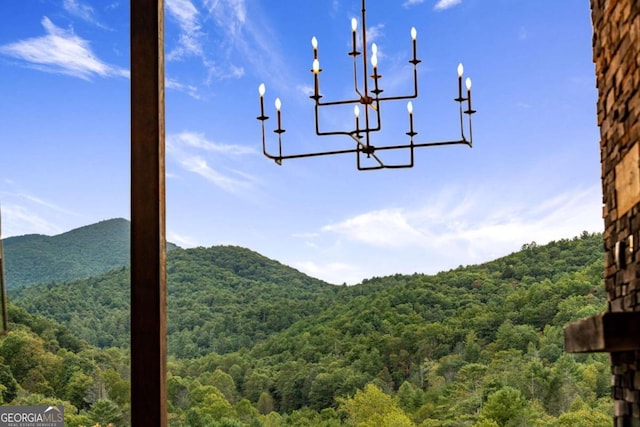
<point x="533" y="173"/>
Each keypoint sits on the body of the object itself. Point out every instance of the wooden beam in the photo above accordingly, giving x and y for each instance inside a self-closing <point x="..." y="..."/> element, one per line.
<point x="148" y="240"/>
<point x="608" y="332"/>
<point x="3" y="287"/>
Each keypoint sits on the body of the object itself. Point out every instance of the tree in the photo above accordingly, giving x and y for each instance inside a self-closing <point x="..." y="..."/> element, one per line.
<point x="76" y="389"/>
<point x="118" y="389"/>
<point x="10" y="390"/>
<point x="507" y="407"/>
<point x="22" y="352"/>
<point x="223" y="382"/>
<point x="105" y="412"/>
<point x="371" y="407"/>
<point x="266" y="403"/>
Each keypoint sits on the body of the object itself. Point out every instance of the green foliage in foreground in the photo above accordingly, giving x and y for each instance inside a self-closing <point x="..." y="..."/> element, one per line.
<point x="475" y="346"/>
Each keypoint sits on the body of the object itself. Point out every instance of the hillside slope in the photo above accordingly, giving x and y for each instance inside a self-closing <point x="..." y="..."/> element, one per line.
<point x="219" y="299"/>
<point x="83" y="252"/>
<point x="477" y="345"/>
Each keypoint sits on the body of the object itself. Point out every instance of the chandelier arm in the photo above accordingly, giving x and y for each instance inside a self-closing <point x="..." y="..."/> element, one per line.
<point x="364" y="96"/>
<point x="357" y="150"/>
<point x="264" y="142"/>
<point x="345" y="102"/>
<point x="329" y="133"/>
<point x="355" y="76"/>
<point x="343" y="133"/>
<point x="462" y="122"/>
<point x="396" y="98"/>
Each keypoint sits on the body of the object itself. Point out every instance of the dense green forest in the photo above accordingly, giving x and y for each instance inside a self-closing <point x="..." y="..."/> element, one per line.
<point x="255" y="343"/>
<point x="83" y="252"/>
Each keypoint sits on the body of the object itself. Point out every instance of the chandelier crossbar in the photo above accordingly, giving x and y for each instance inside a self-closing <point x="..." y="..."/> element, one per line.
<point x="371" y="101"/>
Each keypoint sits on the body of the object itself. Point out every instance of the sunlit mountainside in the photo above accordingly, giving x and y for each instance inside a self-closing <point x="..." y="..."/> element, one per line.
<point x="253" y="342"/>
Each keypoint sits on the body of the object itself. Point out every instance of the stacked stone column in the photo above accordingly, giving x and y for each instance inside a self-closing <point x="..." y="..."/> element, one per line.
<point x="616" y="53"/>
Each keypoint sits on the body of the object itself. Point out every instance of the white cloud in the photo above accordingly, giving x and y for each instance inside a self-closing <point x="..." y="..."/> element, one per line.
<point x="230" y="15"/>
<point x="181" y="240"/>
<point x="23" y="213"/>
<point x="523" y="34"/>
<point x="187" y="17"/>
<point x="190" y="90"/>
<point x="475" y="227"/>
<point x="383" y="228"/>
<point x="61" y="51"/>
<point x="374" y="33"/>
<point x="82" y="11"/>
<point x="410" y="3"/>
<point x="198" y="140"/>
<point x="446" y="4"/>
<point x="188" y="149"/>
<point x="18" y="220"/>
<point x="332" y="272"/>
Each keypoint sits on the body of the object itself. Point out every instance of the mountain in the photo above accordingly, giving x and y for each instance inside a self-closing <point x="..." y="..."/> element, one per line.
<point x="82" y="252"/>
<point x="220" y="299"/>
<point x="224" y="298"/>
<point x="254" y="342"/>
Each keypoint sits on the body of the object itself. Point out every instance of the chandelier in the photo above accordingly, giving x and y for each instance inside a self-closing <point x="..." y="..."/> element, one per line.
<point x="368" y="103"/>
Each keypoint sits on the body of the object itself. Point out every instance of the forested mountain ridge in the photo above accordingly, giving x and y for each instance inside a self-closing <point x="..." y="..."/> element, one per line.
<point x="219" y="299"/>
<point x="83" y="252"/>
<point x="474" y="346"/>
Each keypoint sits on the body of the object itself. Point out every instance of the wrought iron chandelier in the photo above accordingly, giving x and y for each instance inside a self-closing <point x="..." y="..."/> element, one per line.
<point x="370" y="99"/>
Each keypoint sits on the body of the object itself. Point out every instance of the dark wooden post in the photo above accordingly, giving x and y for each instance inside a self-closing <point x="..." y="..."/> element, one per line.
<point x="148" y="241"/>
<point x="3" y="286"/>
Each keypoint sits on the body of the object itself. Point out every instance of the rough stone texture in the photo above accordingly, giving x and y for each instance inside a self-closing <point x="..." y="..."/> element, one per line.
<point x="616" y="53"/>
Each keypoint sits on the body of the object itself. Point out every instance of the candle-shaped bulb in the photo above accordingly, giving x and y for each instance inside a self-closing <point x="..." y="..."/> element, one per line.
<point x="414" y="33"/>
<point x="460" y="69"/>
<point x="316" y="66"/>
<point x="356" y="111"/>
<point x="354" y="24"/>
<point x="411" y="133"/>
<point x="261" y="90"/>
<point x="468" y="83"/>
<point x="374" y="60"/>
<point x="374" y="48"/>
<point x="278" y="104"/>
<point x="314" y="43"/>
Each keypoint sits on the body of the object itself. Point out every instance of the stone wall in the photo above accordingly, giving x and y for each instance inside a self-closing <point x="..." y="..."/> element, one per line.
<point x="616" y="53"/>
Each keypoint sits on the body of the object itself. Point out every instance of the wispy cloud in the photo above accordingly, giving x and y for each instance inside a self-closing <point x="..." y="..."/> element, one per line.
<point x="410" y="3"/>
<point x="523" y="34"/>
<point x="191" y="90"/>
<point x="374" y="32"/>
<point x="446" y="4"/>
<point x="188" y="19"/>
<point x="181" y="240"/>
<point x="467" y="223"/>
<point x="189" y="149"/>
<point x="62" y="52"/>
<point x="332" y="272"/>
<point x="23" y="213"/>
<point x="82" y="11"/>
<point x="383" y="228"/>
<point x="18" y="220"/>
<point x="228" y="15"/>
